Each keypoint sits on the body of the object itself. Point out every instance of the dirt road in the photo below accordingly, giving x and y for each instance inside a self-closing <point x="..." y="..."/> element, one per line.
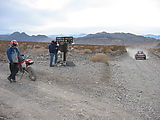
<point x="139" y="85"/>
<point x="125" y="90"/>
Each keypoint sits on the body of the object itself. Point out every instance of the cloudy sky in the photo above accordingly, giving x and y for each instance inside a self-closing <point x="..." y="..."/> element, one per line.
<point x="79" y="16"/>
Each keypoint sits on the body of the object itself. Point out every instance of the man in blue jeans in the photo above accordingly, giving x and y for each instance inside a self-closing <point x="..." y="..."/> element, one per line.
<point x="13" y="57"/>
<point x="53" y="49"/>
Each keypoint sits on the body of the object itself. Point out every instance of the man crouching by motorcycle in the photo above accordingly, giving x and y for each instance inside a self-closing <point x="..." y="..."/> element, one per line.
<point x="13" y="55"/>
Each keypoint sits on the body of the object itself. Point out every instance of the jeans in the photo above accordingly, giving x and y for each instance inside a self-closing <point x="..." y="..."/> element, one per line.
<point x="51" y="58"/>
<point x="14" y="70"/>
<point x="64" y="56"/>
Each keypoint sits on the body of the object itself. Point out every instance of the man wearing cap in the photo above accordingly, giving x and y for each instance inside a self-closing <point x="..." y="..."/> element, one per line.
<point x="13" y="55"/>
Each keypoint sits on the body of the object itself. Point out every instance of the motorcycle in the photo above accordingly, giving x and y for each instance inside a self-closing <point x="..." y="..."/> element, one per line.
<point x="25" y="67"/>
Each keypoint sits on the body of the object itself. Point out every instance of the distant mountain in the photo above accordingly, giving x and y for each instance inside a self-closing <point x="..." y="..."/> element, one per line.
<point x="153" y="36"/>
<point x="62" y="35"/>
<point x="24" y="37"/>
<point x="112" y="39"/>
<point x="101" y="38"/>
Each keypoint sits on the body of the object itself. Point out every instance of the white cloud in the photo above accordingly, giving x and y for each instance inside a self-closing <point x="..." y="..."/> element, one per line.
<point x="112" y="15"/>
<point x="140" y="13"/>
<point x="45" y="4"/>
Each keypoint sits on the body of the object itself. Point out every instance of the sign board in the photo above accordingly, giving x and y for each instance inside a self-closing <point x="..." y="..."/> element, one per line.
<point x="64" y="39"/>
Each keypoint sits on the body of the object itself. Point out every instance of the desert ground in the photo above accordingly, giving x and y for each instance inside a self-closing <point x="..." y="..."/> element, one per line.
<point x="117" y="88"/>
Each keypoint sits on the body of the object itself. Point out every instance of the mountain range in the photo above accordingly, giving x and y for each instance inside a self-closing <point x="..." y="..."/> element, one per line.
<point x="24" y="37"/>
<point x="113" y="39"/>
<point x="153" y="36"/>
<point x="101" y="38"/>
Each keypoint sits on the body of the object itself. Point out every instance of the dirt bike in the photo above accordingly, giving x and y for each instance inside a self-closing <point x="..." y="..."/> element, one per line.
<point x="25" y="67"/>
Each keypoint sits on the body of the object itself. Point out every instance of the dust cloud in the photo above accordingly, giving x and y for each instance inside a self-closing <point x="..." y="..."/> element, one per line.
<point x="132" y="51"/>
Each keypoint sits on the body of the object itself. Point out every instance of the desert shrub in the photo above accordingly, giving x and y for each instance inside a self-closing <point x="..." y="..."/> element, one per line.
<point x="76" y="50"/>
<point x="98" y="48"/>
<point x="116" y="47"/>
<point x="100" y="57"/>
<point x="81" y="47"/>
<point x="39" y="50"/>
<point x="37" y="46"/>
<point x="86" y="51"/>
<point x="156" y="49"/>
<point x="106" y="50"/>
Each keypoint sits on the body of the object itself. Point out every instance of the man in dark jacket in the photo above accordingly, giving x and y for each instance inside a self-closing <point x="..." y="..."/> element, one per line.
<point x="63" y="46"/>
<point x="13" y="55"/>
<point x="53" y="49"/>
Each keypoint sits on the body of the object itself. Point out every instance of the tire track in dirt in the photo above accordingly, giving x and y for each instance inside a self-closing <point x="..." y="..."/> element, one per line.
<point x="44" y="100"/>
<point x="140" y="78"/>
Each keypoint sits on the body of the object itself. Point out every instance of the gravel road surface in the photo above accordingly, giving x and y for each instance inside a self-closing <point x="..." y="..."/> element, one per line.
<point x="127" y="89"/>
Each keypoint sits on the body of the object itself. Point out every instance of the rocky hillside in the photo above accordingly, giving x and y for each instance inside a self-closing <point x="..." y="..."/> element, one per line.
<point x="24" y="37"/>
<point x="113" y="39"/>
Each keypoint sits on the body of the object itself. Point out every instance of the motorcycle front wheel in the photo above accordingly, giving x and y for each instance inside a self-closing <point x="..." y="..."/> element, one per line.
<point x="31" y="73"/>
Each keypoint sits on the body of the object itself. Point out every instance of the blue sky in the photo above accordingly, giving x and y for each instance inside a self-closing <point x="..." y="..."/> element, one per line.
<point x="79" y="16"/>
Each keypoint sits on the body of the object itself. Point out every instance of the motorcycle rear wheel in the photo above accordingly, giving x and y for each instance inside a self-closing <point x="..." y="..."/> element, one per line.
<point x="31" y="73"/>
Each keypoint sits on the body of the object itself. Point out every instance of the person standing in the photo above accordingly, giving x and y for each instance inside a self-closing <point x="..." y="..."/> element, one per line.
<point x="63" y="46"/>
<point x="53" y="49"/>
<point x="13" y="55"/>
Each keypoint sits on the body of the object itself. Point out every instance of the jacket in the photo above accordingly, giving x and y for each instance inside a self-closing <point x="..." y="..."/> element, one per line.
<point x="63" y="47"/>
<point x="13" y="54"/>
<point x="53" y="48"/>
